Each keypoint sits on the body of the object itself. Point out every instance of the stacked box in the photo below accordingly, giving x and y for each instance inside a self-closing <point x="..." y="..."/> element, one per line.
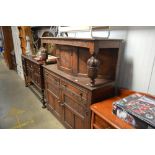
<point x="137" y="110"/>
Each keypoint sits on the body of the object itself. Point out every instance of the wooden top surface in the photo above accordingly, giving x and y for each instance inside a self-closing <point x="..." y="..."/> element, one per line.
<point x="82" y="81"/>
<point x="71" y="38"/>
<point x="104" y="110"/>
<point x="31" y="58"/>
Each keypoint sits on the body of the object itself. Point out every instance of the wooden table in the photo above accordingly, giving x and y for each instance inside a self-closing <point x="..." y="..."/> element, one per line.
<point x="102" y="116"/>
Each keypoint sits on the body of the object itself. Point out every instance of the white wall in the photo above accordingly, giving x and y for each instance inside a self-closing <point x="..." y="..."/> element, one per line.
<point x="138" y="59"/>
<point x="152" y="81"/>
<point x="116" y="33"/>
<point x="18" y="50"/>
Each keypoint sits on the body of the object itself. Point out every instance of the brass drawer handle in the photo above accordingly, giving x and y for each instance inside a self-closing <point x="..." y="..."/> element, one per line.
<point x="62" y="104"/>
<point x="59" y="101"/>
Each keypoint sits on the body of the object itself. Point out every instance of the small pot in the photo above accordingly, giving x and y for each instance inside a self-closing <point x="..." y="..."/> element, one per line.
<point x="43" y="56"/>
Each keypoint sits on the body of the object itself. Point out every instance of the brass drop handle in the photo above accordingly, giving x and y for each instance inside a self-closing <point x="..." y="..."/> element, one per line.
<point x="59" y="101"/>
<point x="62" y="104"/>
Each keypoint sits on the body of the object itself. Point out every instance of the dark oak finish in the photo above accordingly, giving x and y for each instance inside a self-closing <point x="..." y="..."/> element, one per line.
<point x="73" y="54"/>
<point x="68" y="89"/>
<point x="33" y="73"/>
<point x="69" y="97"/>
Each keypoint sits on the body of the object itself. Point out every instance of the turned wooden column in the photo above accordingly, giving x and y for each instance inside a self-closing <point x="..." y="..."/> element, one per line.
<point x="93" y="63"/>
<point x="93" y="66"/>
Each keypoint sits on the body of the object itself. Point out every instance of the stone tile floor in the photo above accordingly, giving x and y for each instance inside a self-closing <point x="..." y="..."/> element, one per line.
<point x="19" y="107"/>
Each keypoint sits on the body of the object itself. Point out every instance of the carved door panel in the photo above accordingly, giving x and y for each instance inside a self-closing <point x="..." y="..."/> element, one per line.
<point x="37" y="79"/>
<point x="66" y="58"/>
<point x="52" y="92"/>
<point x="54" y="103"/>
<point x="74" y="114"/>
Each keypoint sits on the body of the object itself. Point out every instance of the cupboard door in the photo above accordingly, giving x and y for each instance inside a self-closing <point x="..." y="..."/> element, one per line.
<point x="66" y="58"/>
<point x="54" y="103"/>
<point x="52" y="93"/>
<point x="74" y="115"/>
<point x="37" y="79"/>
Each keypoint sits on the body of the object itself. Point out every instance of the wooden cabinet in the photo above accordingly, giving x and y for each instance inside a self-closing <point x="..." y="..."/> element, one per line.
<point x="33" y="73"/>
<point x="86" y="72"/>
<point x="69" y="100"/>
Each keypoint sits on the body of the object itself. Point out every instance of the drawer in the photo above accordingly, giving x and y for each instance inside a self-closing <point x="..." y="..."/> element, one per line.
<point x="74" y="91"/>
<point x="52" y="83"/>
<point x="36" y="68"/>
<point x="37" y="80"/>
<point x="100" y="123"/>
<point x="51" y="78"/>
<point x="29" y="64"/>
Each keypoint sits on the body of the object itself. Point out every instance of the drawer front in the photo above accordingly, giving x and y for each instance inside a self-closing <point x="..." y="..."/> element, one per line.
<point x="36" y="68"/>
<point x="76" y="93"/>
<point x="37" y="79"/>
<point x="29" y="64"/>
<point x="98" y="121"/>
<point x="52" y="83"/>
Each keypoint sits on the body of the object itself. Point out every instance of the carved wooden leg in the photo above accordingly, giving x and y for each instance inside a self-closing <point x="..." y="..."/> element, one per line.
<point x="42" y="99"/>
<point x="92" y="65"/>
<point x="26" y="82"/>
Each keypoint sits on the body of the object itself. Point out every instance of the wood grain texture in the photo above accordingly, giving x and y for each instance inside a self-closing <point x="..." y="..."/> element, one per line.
<point x="8" y="45"/>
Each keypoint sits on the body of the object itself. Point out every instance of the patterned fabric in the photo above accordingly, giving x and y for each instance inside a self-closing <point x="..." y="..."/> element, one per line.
<point x="140" y="106"/>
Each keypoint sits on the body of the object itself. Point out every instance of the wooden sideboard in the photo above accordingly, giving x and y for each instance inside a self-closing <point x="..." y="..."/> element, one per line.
<point x="86" y="73"/>
<point x="69" y="98"/>
<point x="33" y="74"/>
